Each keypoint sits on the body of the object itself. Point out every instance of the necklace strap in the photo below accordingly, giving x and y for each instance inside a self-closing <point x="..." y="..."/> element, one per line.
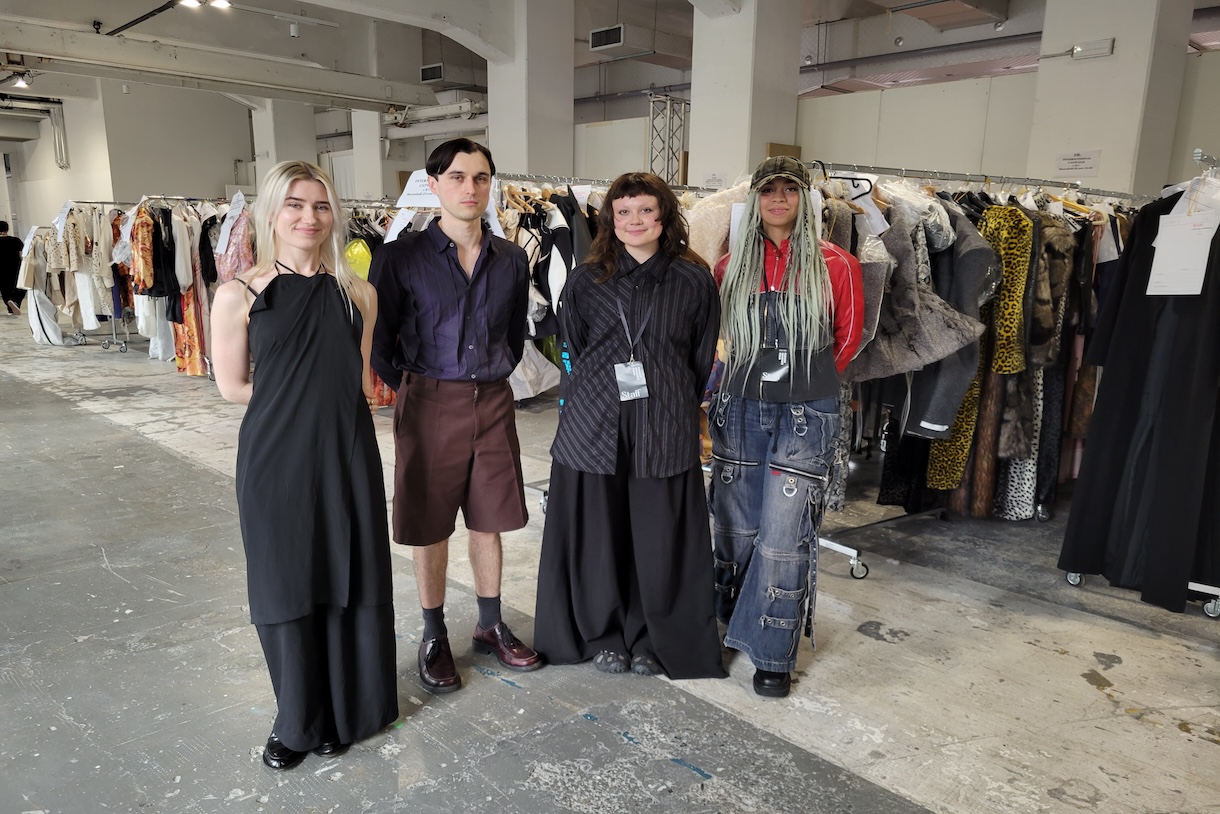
<point x="290" y="270"/>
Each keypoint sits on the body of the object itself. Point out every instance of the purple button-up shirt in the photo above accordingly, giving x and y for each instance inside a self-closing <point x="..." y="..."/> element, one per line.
<point x="434" y="320"/>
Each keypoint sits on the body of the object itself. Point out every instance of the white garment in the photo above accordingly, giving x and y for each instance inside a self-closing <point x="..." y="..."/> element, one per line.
<point x="557" y="273"/>
<point x="85" y="301"/>
<point x="152" y="323"/>
<point x="534" y="374"/>
<point x="43" y="318"/>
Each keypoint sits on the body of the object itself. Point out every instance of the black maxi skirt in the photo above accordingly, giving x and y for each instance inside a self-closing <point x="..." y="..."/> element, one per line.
<point x="333" y="673"/>
<point x="627" y="566"/>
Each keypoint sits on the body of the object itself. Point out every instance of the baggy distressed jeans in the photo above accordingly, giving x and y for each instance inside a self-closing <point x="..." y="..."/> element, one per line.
<point x="771" y="467"/>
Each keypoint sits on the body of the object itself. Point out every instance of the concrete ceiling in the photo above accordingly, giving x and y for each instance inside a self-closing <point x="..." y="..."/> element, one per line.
<point x="849" y="45"/>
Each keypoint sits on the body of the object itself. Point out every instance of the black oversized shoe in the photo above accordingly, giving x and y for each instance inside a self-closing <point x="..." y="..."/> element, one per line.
<point x="331" y="749"/>
<point x="771" y="684"/>
<point x="278" y="756"/>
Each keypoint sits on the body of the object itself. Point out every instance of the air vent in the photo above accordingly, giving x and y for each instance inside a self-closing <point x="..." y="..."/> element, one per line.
<point x="600" y="38"/>
<point x="432" y="73"/>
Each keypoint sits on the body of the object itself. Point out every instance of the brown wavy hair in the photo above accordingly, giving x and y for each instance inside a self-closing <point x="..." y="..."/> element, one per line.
<point x="606" y="248"/>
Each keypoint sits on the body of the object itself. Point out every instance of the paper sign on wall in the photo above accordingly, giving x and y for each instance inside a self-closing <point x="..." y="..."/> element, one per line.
<point x="1078" y="164"/>
<point x="1182" y="248"/>
<point x="416" y="195"/>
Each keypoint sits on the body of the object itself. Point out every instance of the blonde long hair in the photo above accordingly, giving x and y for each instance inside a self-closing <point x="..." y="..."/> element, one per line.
<point x="806" y="304"/>
<point x="272" y="193"/>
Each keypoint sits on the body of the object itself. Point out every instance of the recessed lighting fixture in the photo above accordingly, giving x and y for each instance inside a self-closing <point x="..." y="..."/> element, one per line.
<point x="21" y="81"/>
<point x="191" y="3"/>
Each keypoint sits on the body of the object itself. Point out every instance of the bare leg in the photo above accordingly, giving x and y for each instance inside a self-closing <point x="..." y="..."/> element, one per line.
<point x="487" y="560"/>
<point x="431" y="569"/>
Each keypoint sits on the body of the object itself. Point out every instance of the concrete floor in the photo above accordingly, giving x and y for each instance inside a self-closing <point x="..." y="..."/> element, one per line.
<point x="963" y="675"/>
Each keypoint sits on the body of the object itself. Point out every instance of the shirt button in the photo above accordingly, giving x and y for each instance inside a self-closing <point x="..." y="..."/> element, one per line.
<point x="451" y="245"/>
<point x="471" y="347"/>
<point x="472" y="375"/>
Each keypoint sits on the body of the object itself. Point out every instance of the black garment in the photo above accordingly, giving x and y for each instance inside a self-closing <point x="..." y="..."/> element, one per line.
<point x="959" y="276"/>
<point x="677" y="348"/>
<point x="207" y="254"/>
<point x="10" y="267"/>
<point x="578" y="224"/>
<point x="434" y="320"/>
<point x="348" y="688"/>
<point x="1143" y="512"/>
<point x="310" y="492"/>
<point x="626" y="565"/>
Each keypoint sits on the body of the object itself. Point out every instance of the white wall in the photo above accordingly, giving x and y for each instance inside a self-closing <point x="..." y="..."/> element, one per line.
<point x="167" y="141"/>
<point x="42" y="187"/>
<point x="974" y="126"/>
<point x="1198" y="116"/>
<point x="605" y="150"/>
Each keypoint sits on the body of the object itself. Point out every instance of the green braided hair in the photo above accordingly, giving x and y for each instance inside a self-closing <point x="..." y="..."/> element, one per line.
<point x="806" y="305"/>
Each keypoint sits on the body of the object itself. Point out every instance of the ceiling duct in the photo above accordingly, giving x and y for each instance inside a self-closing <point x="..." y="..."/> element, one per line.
<point x="441" y="75"/>
<point x="623" y="41"/>
<point x="945" y="15"/>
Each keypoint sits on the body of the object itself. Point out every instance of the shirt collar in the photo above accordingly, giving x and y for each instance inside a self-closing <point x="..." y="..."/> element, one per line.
<point x="441" y="241"/>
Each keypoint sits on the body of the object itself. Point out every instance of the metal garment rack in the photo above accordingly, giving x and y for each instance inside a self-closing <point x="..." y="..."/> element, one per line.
<point x="936" y="175"/>
<point x="113" y="339"/>
<point x="597" y="182"/>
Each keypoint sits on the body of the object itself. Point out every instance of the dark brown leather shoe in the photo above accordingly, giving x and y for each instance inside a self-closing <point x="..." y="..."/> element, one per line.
<point x="437" y="672"/>
<point x="512" y="653"/>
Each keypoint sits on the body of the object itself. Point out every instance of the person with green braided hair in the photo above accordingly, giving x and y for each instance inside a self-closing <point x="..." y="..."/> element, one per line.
<point x="791" y="316"/>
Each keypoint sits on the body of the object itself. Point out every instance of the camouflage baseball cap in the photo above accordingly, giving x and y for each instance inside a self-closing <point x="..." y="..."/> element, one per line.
<point x="780" y="165"/>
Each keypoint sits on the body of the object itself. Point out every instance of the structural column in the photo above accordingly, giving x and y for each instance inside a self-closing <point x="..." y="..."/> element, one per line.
<point x="366" y="154"/>
<point x="1108" y="120"/>
<point x="744" y="82"/>
<point x="283" y="131"/>
<point x="529" y="98"/>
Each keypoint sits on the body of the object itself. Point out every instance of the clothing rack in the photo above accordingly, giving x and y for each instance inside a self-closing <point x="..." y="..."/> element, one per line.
<point x="937" y="175"/>
<point x="597" y="182"/>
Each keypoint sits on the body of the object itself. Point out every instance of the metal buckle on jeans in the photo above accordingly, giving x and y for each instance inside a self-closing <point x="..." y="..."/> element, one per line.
<point x="790" y="488"/>
<point x="726" y="474"/>
<point x="726" y="589"/>
<point x="799" y="425"/>
<point x="730" y="564"/>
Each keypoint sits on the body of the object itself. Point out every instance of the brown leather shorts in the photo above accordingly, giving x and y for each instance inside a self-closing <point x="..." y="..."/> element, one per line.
<point x="456" y="447"/>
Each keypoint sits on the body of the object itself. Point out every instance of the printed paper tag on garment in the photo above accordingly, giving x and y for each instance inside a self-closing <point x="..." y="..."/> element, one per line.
<point x="61" y="220"/>
<point x="1055" y="208"/>
<point x="401" y="221"/>
<point x="29" y="241"/>
<point x="815" y="198"/>
<point x="582" y="192"/>
<point x="1201" y="193"/>
<point x="235" y="207"/>
<point x="1182" y="248"/>
<point x="128" y="222"/>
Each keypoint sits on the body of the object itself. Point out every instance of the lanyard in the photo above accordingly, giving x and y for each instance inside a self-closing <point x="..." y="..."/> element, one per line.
<point x="643" y="324"/>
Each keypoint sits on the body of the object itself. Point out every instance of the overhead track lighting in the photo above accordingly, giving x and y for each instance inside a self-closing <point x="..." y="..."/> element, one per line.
<point x="21" y="82"/>
<point x="169" y="4"/>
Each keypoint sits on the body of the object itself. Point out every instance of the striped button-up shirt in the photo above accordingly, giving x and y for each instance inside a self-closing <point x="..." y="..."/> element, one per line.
<point x="676" y="349"/>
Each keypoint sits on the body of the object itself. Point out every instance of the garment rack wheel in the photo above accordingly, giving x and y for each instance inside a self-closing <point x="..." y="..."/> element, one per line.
<point x="1212" y="608"/>
<point x="1074" y="579"/>
<point x="543" y="500"/>
<point x="859" y="569"/>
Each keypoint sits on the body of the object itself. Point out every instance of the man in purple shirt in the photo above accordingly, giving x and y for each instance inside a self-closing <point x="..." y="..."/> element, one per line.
<point x="451" y="321"/>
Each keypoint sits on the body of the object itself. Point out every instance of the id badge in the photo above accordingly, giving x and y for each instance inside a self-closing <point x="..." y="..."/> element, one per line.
<point x="773" y="364"/>
<point x="631" y="382"/>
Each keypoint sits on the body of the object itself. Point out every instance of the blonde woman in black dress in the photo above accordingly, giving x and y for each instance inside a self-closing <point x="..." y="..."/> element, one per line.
<point x="310" y="492"/>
